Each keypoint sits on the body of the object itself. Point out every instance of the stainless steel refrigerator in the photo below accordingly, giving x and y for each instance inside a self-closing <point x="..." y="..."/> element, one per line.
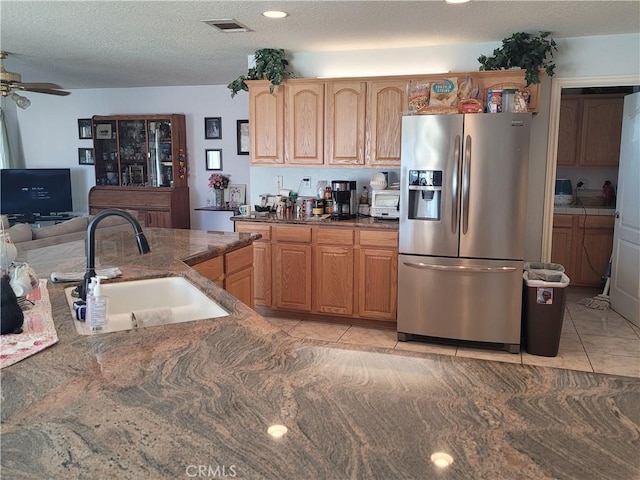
<point x="462" y="227"/>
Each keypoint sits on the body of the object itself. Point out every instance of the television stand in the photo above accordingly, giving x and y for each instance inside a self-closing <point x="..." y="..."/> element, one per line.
<point x="38" y="220"/>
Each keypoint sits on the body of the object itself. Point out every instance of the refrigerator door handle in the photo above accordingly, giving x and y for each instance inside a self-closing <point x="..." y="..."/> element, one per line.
<point x="466" y="165"/>
<point x="460" y="268"/>
<point x="454" y="187"/>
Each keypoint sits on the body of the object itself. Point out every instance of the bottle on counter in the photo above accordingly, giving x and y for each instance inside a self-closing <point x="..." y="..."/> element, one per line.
<point x="364" y="197"/>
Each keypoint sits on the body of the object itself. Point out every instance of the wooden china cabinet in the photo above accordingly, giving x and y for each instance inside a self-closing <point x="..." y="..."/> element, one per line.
<point x="141" y="166"/>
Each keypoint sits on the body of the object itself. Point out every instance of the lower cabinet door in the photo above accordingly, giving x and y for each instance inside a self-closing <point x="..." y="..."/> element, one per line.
<point x="333" y="271"/>
<point x="292" y="277"/>
<point x="378" y="284"/>
<point x="158" y="219"/>
<point x="262" y="273"/>
<point x="240" y="285"/>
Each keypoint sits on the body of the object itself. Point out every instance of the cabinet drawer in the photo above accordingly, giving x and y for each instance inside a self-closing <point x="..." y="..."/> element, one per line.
<point x="563" y="220"/>
<point x="376" y="238"/>
<point x="238" y="259"/>
<point x="261" y="228"/>
<point x="292" y="234"/>
<point x="333" y="236"/>
<point x="599" y="221"/>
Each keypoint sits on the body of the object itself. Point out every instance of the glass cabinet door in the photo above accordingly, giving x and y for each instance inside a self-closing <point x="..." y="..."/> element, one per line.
<point x="160" y="154"/>
<point x="105" y="145"/>
<point x="133" y="152"/>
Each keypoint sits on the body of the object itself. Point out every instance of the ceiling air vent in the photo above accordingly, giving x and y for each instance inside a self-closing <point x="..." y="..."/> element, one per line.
<point x="227" y="25"/>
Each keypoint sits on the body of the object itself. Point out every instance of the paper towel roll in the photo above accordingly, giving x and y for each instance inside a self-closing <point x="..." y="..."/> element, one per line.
<point x="150" y="317"/>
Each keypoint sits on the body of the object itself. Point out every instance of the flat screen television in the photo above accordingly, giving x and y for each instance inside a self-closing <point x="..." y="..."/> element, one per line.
<point x="35" y="192"/>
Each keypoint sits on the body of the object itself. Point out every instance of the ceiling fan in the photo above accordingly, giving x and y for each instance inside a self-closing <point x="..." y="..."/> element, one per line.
<point x="10" y="81"/>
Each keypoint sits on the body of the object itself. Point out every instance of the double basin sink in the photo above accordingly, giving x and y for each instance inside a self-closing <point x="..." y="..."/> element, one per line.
<point x="150" y="302"/>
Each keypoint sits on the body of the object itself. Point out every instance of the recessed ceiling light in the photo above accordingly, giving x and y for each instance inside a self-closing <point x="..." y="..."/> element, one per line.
<point x="457" y="1"/>
<point x="274" y="14"/>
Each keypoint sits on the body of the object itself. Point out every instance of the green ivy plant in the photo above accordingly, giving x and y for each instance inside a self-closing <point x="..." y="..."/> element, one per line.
<point x="270" y="63"/>
<point x="523" y="50"/>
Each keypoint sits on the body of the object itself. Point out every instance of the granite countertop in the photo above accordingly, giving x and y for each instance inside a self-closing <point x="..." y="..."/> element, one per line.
<point x="324" y="220"/>
<point x="195" y="399"/>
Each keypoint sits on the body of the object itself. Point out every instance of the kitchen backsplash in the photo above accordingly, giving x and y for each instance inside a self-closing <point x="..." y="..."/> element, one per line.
<point x="263" y="179"/>
<point x="595" y="177"/>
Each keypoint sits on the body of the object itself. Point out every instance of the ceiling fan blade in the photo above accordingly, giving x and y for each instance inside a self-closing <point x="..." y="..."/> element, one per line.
<point x="30" y="86"/>
<point x="49" y="91"/>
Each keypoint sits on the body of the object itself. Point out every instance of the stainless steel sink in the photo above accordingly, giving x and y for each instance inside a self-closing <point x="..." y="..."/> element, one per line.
<point x="150" y="302"/>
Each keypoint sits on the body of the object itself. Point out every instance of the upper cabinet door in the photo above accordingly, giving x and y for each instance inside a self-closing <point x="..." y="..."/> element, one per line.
<point x="601" y="130"/>
<point x="304" y="123"/>
<point x="266" y="113"/>
<point x="345" y="122"/>
<point x="386" y="101"/>
<point x="568" y="131"/>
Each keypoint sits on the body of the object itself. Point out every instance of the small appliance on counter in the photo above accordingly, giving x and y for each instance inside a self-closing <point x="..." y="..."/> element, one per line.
<point x="563" y="193"/>
<point x="385" y="203"/>
<point x="345" y="202"/>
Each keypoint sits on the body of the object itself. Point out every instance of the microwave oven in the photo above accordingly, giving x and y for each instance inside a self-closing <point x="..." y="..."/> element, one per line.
<point x="385" y="203"/>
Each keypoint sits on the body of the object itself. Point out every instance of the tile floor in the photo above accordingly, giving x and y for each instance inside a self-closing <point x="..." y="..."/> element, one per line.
<point x="598" y="341"/>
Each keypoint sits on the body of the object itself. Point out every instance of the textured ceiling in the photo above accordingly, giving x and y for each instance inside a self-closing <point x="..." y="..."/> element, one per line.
<point x="92" y="44"/>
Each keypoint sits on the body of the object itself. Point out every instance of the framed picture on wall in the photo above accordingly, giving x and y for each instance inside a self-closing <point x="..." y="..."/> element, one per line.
<point x="213" y="128"/>
<point x="236" y="194"/>
<point x="243" y="137"/>
<point x="85" y="156"/>
<point x="84" y="129"/>
<point x="213" y="159"/>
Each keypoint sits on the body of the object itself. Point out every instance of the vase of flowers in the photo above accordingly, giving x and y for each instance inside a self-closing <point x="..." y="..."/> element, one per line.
<point x="217" y="183"/>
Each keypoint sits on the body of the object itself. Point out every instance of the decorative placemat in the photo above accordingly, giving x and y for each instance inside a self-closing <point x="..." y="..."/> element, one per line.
<point x="38" y="329"/>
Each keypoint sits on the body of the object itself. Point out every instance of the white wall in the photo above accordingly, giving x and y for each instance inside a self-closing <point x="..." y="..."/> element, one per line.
<point x="48" y="129"/>
<point x="49" y="132"/>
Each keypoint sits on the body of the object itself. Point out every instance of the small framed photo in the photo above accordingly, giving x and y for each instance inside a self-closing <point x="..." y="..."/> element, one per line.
<point x="213" y="159"/>
<point x="103" y="131"/>
<point x="243" y="137"/>
<point x="85" y="156"/>
<point x="136" y="175"/>
<point x="84" y="129"/>
<point x="236" y="195"/>
<point x="213" y="128"/>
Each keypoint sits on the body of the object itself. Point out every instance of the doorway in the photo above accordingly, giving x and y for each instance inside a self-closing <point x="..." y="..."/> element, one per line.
<point x="557" y="85"/>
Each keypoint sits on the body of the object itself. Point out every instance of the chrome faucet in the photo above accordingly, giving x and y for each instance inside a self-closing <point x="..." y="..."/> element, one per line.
<point x="143" y="245"/>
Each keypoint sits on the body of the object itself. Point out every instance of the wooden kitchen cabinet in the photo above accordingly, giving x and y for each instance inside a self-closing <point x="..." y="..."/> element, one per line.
<point x="321" y="270"/>
<point x="304" y="123"/>
<point x="589" y="130"/>
<point x="345" y="122"/>
<point x="333" y="271"/>
<point x="583" y="246"/>
<point x="562" y="243"/>
<point x="266" y="123"/>
<point x="238" y="274"/>
<point x="262" y="261"/>
<point x="386" y="102"/>
<point x="291" y="276"/>
<point x="233" y="272"/>
<point x="378" y="275"/>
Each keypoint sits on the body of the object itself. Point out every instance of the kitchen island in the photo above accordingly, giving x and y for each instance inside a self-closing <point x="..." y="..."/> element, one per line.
<point x="195" y="400"/>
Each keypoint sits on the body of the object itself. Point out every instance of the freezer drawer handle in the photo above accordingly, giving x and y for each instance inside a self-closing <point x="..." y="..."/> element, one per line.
<point x="460" y="268"/>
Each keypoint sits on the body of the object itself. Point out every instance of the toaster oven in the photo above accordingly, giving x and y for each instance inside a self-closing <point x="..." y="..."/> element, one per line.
<point x="385" y="203"/>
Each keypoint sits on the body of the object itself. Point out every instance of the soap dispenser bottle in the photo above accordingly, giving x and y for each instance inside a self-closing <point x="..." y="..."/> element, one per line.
<point x="96" y="307"/>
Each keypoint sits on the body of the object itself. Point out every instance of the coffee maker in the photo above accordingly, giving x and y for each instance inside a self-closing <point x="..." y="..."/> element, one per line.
<point x="342" y="196"/>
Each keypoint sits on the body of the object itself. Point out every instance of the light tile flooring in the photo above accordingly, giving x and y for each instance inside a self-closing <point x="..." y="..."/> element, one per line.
<point x="592" y="340"/>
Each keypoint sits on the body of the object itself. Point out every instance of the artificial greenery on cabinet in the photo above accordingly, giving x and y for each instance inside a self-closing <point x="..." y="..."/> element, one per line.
<point x="526" y="51"/>
<point x="270" y="64"/>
